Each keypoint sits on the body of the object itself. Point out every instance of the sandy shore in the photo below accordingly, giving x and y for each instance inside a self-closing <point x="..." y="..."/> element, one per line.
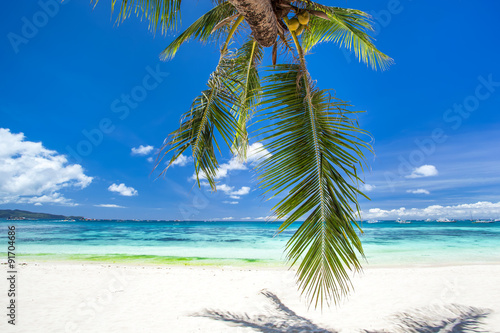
<point x="76" y="297"/>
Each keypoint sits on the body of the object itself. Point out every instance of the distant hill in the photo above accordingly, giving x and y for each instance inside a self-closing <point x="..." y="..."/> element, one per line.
<point x="16" y="213"/>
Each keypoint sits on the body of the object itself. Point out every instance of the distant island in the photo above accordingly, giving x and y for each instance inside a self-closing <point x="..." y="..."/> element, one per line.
<point x="16" y="214"/>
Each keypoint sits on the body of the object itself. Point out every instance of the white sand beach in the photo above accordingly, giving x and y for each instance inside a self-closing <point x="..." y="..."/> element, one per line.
<point x="90" y="297"/>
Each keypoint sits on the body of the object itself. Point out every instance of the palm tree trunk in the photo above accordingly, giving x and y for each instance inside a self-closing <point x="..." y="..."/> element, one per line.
<point x="261" y="18"/>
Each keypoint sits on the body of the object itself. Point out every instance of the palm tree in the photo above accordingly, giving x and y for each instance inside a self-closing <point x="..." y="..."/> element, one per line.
<point x="314" y="142"/>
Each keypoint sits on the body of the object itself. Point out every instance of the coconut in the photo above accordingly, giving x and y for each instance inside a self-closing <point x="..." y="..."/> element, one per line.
<point x="303" y="17"/>
<point x="299" y="30"/>
<point x="293" y="24"/>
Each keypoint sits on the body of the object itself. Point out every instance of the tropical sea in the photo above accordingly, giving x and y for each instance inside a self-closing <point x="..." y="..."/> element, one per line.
<point x="385" y="243"/>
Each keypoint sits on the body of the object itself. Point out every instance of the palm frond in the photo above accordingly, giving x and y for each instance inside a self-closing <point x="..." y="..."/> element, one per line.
<point x="163" y="13"/>
<point x="203" y="28"/>
<point x="210" y="115"/>
<point x="248" y="58"/>
<point x="315" y="149"/>
<point x="348" y="28"/>
<point x="285" y="47"/>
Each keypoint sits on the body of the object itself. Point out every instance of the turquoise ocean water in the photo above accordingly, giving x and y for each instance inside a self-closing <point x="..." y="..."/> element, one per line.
<point x="385" y="243"/>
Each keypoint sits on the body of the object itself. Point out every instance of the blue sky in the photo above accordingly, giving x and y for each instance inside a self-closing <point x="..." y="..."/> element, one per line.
<point x="66" y="71"/>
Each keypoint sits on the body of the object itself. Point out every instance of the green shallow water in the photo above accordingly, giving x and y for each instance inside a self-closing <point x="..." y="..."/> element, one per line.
<point x="145" y="260"/>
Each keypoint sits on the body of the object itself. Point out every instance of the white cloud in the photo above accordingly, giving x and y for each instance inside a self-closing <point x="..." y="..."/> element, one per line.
<point x="482" y="209"/>
<point x="255" y="152"/>
<point x="424" y="171"/>
<point x="224" y="188"/>
<point x="123" y="190"/>
<point x="142" y="150"/>
<point x="150" y="159"/>
<point x="48" y="198"/>
<point x="368" y="187"/>
<point x="109" y="206"/>
<point x="31" y="173"/>
<point x="182" y="160"/>
<point x="230" y="202"/>
<point x="270" y="218"/>
<point x="227" y="218"/>
<point x="229" y="190"/>
<point x="242" y="191"/>
<point x="38" y="204"/>
<point x="224" y="169"/>
<point x="419" y="191"/>
<point x="246" y="218"/>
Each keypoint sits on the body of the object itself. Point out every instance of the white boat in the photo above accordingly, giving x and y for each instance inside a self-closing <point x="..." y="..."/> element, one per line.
<point x="445" y="220"/>
<point x="402" y="221"/>
<point x="484" y="221"/>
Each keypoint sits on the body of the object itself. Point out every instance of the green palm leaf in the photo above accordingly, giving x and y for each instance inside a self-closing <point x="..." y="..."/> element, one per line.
<point x="210" y="114"/>
<point x="348" y="28"/>
<point x="202" y="28"/>
<point x="165" y="13"/>
<point x="248" y="58"/>
<point x="315" y="149"/>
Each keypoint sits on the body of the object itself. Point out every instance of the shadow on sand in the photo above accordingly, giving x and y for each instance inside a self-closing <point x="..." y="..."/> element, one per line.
<point x="449" y="319"/>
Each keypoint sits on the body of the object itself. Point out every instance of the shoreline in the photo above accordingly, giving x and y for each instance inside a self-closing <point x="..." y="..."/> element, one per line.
<point x="174" y="261"/>
<point x="222" y="265"/>
<point x="103" y="297"/>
